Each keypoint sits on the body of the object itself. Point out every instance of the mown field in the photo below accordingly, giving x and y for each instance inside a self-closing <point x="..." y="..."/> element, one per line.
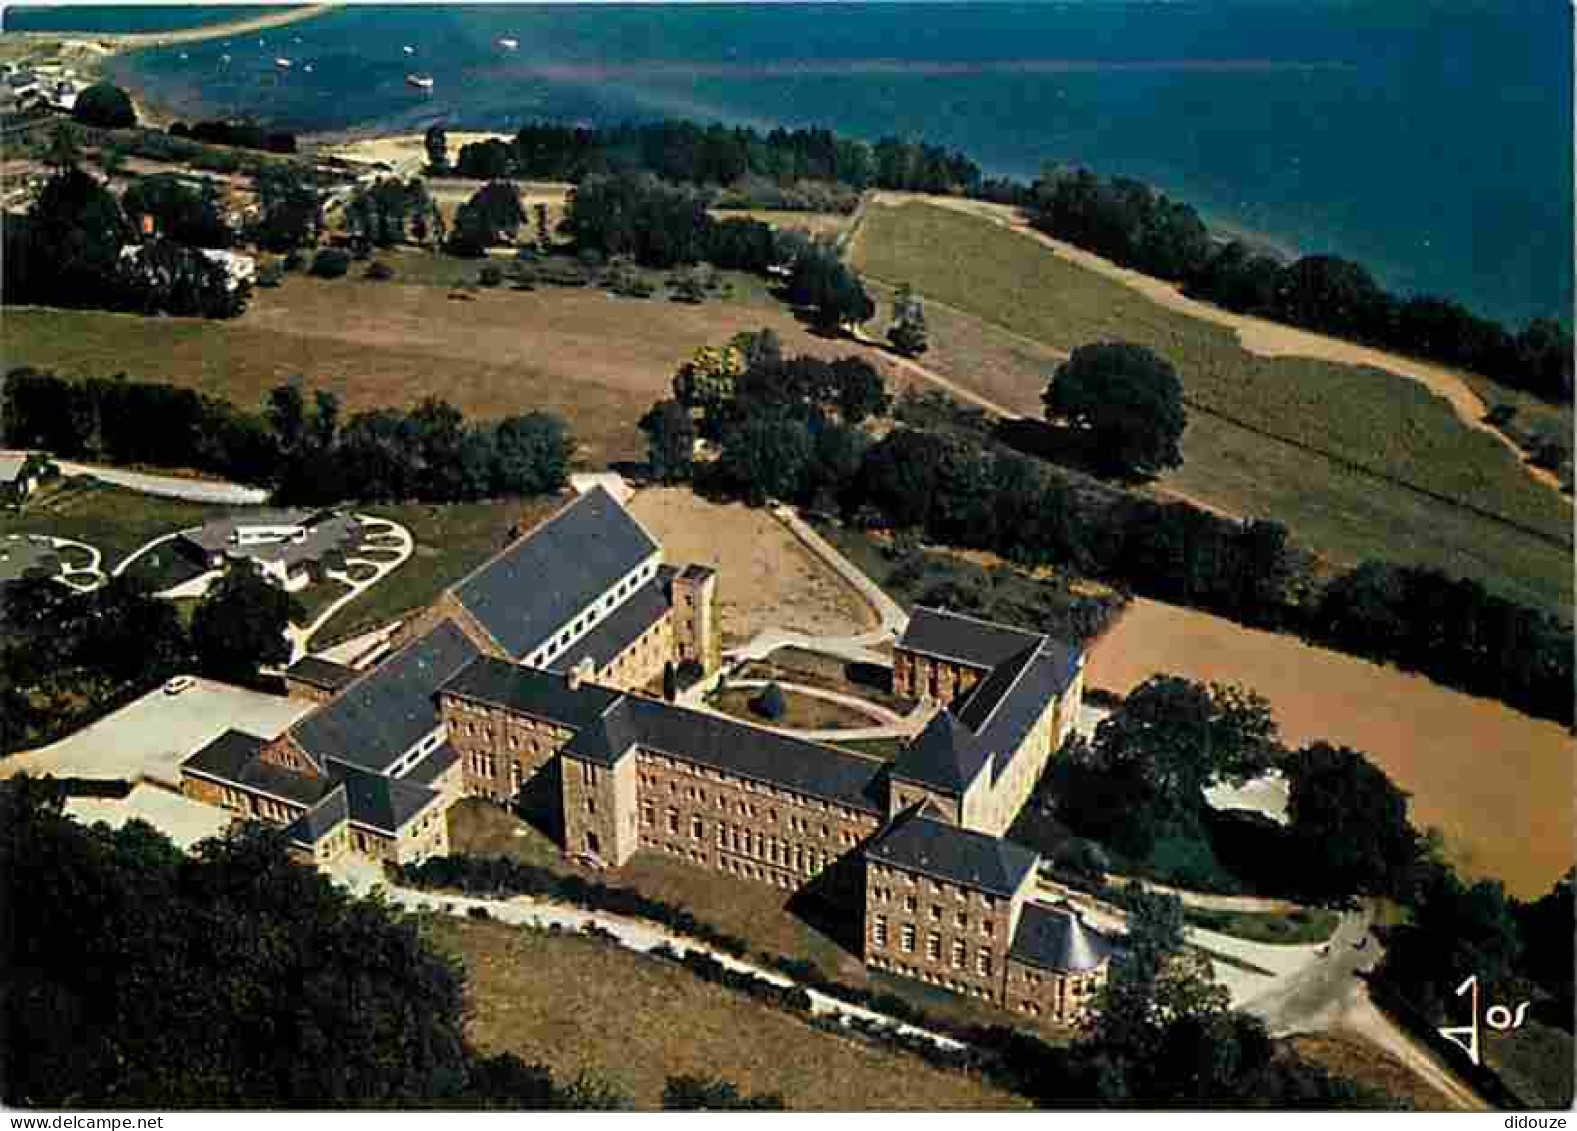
<point x="597" y="360"/>
<point x="1359" y="461"/>
<point x="579" y="1004"/>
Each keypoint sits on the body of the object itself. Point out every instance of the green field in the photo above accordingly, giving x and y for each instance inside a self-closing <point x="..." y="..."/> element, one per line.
<point x="1358" y="461"/>
<point x="1294" y="928"/>
<point x="115" y="521"/>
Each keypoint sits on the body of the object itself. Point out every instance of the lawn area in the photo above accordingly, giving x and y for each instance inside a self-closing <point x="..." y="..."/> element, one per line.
<point x="451" y="541"/>
<point x="1294" y="928"/>
<point x="316" y="597"/>
<point x="805" y="712"/>
<point x="884" y="748"/>
<point x="580" y="1004"/>
<point x="753" y="912"/>
<point x="598" y="361"/>
<point x="1357" y="460"/>
<point x="114" y="520"/>
<point x="833" y="673"/>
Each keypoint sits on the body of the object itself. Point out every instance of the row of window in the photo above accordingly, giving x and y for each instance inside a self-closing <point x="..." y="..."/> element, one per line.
<point x="931" y="978"/>
<point x="609" y="601"/>
<point x="746" y="785"/>
<point x="958" y="954"/>
<point x="885" y="894"/>
<point x="911" y="906"/>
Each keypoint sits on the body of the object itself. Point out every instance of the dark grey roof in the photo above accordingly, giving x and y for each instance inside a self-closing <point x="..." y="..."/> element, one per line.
<point x="530" y="591"/>
<point x="380" y="802"/>
<point x="429" y="768"/>
<point x="918" y="843"/>
<point x="966" y="639"/>
<point x="945" y="755"/>
<point x="529" y="691"/>
<point x="215" y="536"/>
<point x="1054" y="939"/>
<point x="320" y="820"/>
<point x="322" y="673"/>
<point x="608" y="737"/>
<point x="1004" y="706"/>
<point x="234" y="757"/>
<point x="790" y="763"/>
<point x="384" y="713"/>
<point x="622" y="626"/>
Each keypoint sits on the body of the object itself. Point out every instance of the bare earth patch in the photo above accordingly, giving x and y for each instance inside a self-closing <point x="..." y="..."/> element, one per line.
<point x="766" y="578"/>
<point x="1497" y="783"/>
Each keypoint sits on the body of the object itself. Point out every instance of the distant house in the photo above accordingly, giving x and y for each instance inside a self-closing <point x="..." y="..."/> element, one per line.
<point x="238" y="268"/>
<point x="285" y="545"/>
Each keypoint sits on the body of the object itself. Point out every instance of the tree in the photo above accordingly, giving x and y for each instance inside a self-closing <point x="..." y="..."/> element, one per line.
<point x="1155" y="989"/>
<point x="822" y="282"/>
<point x="707" y="380"/>
<point x="705" y="1093"/>
<point x="1130" y="403"/>
<point x="104" y="106"/>
<point x="287" y="416"/>
<point x="1348" y="823"/>
<point x="670" y="441"/>
<point x="531" y="454"/>
<point x="908" y="333"/>
<point x="771" y="703"/>
<point x="331" y="263"/>
<point x="436" y="142"/>
<point x="767" y="457"/>
<point x="290" y="210"/>
<point x="63" y="152"/>
<point x="240" y="625"/>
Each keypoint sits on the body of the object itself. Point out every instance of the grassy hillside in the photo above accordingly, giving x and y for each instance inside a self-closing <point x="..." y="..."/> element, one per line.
<point x="1359" y="461"/>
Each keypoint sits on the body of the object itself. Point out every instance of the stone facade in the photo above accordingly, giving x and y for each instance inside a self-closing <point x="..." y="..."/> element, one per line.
<point x="1057" y="996"/>
<point x="748" y="829"/>
<point x="930" y="679"/>
<point x="500" y="750"/>
<point x="942" y="933"/>
<point x="600" y="805"/>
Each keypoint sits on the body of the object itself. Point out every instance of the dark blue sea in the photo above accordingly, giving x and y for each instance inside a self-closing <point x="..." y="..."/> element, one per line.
<point x="1430" y="139"/>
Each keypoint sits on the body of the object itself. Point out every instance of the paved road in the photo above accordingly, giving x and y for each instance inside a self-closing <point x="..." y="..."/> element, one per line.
<point x="896" y="726"/>
<point x="165" y="486"/>
<point x="302" y="636"/>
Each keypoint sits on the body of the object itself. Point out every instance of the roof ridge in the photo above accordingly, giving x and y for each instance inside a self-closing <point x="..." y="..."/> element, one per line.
<point x="453" y="588"/>
<point x="364" y="674"/>
<point x="980" y="620"/>
<point x="1014" y="682"/>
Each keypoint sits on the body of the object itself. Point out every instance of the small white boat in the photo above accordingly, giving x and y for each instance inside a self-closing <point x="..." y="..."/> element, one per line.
<point x="184" y="56"/>
<point x="224" y="58"/>
<point x="307" y="68"/>
<point x="408" y="49"/>
<point x="509" y="44"/>
<point x="421" y="82"/>
<point x="283" y="63"/>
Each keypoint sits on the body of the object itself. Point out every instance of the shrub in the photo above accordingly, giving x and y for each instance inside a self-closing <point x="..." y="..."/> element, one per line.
<point x="269" y="272"/>
<point x="490" y="276"/>
<point x="294" y="260"/>
<point x="331" y="263"/>
<point x="105" y="106"/>
<point x="378" y="271"/>
<point x="771" y="703"/>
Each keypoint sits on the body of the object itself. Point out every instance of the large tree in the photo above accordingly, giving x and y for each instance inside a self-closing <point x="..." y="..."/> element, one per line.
<point x="1348" y="822"/>
<point x="105" y="106"/>
<point x="240" y="625"/>
<point x="670" y="441"/>
<point x="1128" y="400"/>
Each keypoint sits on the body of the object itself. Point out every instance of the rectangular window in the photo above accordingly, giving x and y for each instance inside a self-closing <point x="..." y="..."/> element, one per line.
<point x="958" y="954"/>
<point x="908" y="938"/>
<point x="933" y="947"/>
<point x="909" y="903"/>
<point x="696" y="828"/>
<point x="673" y="820"/>
<point x="936" y="912"/>
<point x="648" y="813"/>
<point x="591" y="804"/>
<point x="879" y="931"/>
<point x="983" y="962"/>
<point x="963" y="921"/>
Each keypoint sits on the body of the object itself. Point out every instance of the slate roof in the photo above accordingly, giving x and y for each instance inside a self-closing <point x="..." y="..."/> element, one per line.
<point x="528" y="691"/>
<point x="384" y="713"/>
<point x="945" y="755"/>
<point x="320" y="820"/>
<point x="322" y="673"/>
<point x="919" y="843"/>
<point x="965" y="639"/>
<point x="809" y="768"/>
<point x="429" y="768"/>
<point x="233" y="757"/>
<point x="380" y="802"/>
<point x="527" y="593"/>
<point x="642" y="609"/>
<point x="1054" y="939"/>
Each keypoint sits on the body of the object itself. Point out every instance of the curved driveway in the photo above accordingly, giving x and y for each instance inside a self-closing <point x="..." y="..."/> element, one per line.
<point x="165" y="486"/>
